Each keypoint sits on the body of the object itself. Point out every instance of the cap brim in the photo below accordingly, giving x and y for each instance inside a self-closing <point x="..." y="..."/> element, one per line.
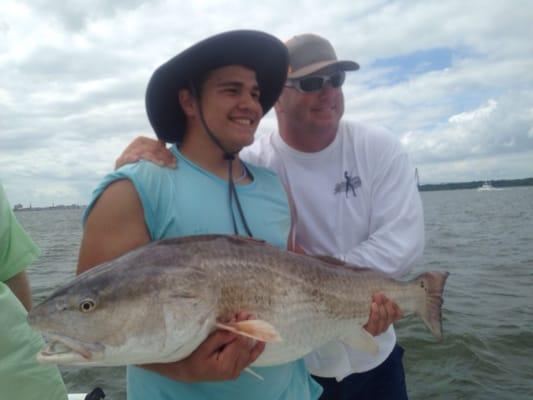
<point x="322" y="67"/>
<point x="259" y="51"/>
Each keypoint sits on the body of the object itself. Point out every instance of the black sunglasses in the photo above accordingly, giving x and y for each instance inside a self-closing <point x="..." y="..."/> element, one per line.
<point x="315" y="83"/>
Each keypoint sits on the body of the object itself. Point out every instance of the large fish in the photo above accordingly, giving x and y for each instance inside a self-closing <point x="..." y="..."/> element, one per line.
<point x="159" y="302"/>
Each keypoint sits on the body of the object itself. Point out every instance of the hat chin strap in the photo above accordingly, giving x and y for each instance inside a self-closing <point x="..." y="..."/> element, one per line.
<point x="229" y="157"/>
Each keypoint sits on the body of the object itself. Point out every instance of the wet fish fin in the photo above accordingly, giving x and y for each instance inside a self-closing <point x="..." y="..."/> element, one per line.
<point x="431" y="310"/>
<point x="362" y="340"/>
<point x="253" y="328"/>
<point x="328" y="259"/>
<point x="252" y="372"/>
<point x="335" y="262"/>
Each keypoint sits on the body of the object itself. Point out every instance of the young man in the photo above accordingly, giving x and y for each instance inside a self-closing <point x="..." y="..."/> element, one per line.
<point x="21" y="376"/>
<point x="208" y="100"/>
<point x="356" y="199"/>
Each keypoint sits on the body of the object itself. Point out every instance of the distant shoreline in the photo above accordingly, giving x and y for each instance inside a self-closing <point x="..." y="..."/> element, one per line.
<point x="502" y="183"/>
<point x="18" y="208"/>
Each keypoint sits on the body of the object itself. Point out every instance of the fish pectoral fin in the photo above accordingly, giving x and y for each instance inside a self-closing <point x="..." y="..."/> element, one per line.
<point x="253" y="328"/>
<point x="362" y="340"/>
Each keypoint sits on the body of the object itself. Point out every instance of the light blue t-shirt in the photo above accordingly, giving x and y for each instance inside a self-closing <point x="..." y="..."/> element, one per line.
<point x="190" y="201"/>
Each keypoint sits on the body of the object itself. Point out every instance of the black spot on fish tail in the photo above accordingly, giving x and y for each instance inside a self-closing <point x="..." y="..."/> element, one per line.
<point x="431" y="309"/>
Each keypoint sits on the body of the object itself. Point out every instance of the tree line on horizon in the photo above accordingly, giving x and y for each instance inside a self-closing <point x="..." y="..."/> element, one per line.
<point x="501" y="183"/>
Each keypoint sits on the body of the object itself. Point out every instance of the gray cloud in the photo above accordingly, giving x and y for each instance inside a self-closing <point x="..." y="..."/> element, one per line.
<point x="74" y="15"/>
<point x="496" y="128"/>
<point x="73" y="76"/>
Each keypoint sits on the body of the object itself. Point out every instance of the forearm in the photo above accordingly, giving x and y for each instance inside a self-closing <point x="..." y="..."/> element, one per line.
<point x="387" y="252"/>
<point x="114" y="226"/>
<point x="20" y="286"/>
<point x="176" y="371"/>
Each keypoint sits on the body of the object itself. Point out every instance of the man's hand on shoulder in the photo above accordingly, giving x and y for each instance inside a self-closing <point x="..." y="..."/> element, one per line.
<point x="146" y="149"/>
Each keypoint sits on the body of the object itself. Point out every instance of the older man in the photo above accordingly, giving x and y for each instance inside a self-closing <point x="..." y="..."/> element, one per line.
<point x="356" y="199"/>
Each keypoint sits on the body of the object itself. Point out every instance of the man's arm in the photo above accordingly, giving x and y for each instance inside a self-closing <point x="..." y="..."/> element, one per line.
<point x="20" y="287"/>
<point x="396" y="239"/>
<point x="115" y="226"/>
<point x="147" y="149"/>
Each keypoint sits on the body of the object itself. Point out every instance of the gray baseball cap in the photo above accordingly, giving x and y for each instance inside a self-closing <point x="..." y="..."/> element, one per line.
<point x="309" y="53"/>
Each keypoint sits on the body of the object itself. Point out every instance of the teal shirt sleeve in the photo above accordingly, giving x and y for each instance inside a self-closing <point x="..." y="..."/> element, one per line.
<point x="17" y="250"/>
<point x="147" y="178"/>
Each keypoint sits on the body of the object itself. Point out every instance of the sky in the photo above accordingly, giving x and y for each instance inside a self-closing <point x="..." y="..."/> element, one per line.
<point x="452" y="80"/>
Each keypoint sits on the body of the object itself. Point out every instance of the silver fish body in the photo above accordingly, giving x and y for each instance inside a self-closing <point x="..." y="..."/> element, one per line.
<point x="159" y="302"/>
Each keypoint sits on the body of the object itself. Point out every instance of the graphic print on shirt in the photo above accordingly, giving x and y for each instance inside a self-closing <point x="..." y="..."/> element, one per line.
<point x="348" y="185"/>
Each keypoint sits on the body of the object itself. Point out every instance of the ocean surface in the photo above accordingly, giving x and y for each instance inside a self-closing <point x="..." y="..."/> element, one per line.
<point x="485" y="241"/>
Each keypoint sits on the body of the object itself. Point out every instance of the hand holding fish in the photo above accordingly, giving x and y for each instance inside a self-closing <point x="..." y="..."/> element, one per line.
<point x="383" y="313"/>
<point x="222" y="356"/>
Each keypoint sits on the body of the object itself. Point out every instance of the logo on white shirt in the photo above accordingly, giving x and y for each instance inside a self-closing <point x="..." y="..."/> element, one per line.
<point x="348" y="185"/>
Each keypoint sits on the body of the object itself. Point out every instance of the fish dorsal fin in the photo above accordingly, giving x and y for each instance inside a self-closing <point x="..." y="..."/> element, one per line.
<point x="335" y="262"/>
<point x="329" y="260"/>
<point x="244" y="240"/>
<point x="208" y="238"/>
<point x="253" y="328"/>
<point x="360" y="339"/>
<point x="187" y="239"/>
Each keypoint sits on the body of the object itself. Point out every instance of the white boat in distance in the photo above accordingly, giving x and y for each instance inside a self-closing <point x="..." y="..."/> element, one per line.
<point x="487" y="186"/>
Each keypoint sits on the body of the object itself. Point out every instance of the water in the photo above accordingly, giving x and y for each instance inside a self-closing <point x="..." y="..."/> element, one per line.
<point x="484" y="239"/>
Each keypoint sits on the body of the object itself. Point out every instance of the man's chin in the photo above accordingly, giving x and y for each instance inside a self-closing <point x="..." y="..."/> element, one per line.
<point x="238" y="145"/>
<point x="327" y="123"/>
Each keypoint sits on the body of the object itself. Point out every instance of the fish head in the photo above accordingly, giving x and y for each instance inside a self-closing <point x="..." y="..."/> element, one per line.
<point x="107" y="318"/>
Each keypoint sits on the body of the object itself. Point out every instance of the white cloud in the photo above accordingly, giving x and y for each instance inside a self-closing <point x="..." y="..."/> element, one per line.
<point x="73" y="76"/>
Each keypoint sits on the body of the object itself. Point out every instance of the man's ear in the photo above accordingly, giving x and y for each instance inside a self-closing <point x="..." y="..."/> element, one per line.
<point x="187" y="102"/>
<point x="278" y="107"/>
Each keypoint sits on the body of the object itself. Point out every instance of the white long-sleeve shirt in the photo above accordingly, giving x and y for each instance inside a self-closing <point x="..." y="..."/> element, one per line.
<point x="357" y="200"/>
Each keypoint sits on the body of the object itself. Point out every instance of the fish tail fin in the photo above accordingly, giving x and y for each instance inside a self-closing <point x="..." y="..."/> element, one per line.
<point x="431" y="309"/>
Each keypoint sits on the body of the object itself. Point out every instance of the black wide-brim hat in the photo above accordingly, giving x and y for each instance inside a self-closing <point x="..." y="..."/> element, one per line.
<point x="259" y="51"/>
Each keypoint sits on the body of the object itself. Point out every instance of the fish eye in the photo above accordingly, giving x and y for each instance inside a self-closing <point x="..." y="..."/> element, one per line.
<point x="87" y="305"/>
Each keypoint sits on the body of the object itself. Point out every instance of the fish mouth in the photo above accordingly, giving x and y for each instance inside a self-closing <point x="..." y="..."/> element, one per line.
<point x="65" y="350"/>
